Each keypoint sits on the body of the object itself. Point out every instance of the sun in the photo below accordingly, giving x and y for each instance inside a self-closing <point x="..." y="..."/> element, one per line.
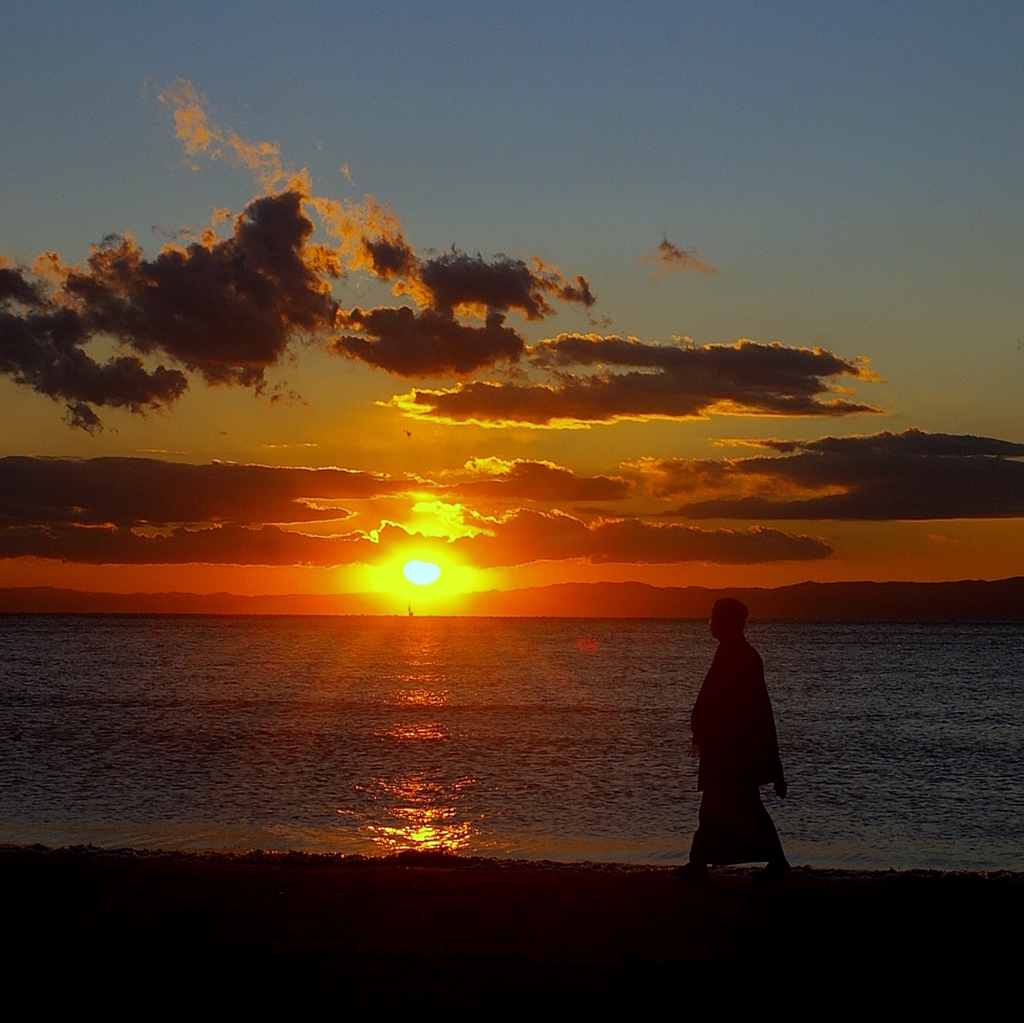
<point x="431" y="579"/>
<point x="422" y="573"/>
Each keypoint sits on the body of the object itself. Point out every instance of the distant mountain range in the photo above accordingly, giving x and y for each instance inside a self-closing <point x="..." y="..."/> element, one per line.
<point x="968" y="600"/>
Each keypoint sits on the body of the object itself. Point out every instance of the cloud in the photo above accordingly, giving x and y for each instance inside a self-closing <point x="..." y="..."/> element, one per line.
<point x="225" y="309"/>
<point x="521" y="538"/>
<point x="145" y="511"/>
<point x="672" y="259"/>
<point x="525" y="480"/>
<point x="526" y="536"/>
<point x="390" y="257"/>
<point x="126" y="492"/>
<point x="42" y="347"/>
<point x="193" y="128"/>
<point x="368" y="235"/>
<point x="227" y="544"/>
<point x="910" y="475"/>
<point x="434" y="342"/>
<point x="456" y="280"/>
<point x="661" y="381"/>
<point x="426" y="344"/>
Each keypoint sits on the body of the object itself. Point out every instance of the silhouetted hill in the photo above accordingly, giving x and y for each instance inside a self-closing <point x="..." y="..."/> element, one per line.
<point x="49" y="600"/>
<point x="968" y="600"/>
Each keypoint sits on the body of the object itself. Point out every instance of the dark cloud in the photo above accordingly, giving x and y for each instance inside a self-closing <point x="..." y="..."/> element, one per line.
<point x="529" y="536"/>
<point x="911" y="475"/>
<point x="426" y="344"/>
<point x="15" y="288"/>
<point x="521" y="538"/>
<point x="456" y="279"/>
<point x="226" y="310"/>
<point x="125" y="492"/>
<point x="670" y="258"/>
<point x="144" y="511"/>
<point x="41" y="346"/>
<point x="434" y="342"/>
<point x="227" y="544"/>
<point x="524" y="480"/>
<point x="744" y="365"/>
<point x="660" y="381"/>
<point x="390" y="257"/>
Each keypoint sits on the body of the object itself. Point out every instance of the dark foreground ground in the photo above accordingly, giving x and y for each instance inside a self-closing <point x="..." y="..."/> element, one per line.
<point x="441" y="936"/>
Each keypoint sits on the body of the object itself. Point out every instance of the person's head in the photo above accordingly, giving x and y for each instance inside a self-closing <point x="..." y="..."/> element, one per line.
<point x="728" y="617"/>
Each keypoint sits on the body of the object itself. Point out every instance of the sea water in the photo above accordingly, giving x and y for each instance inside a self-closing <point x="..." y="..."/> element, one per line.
<point x="536" y="738"/>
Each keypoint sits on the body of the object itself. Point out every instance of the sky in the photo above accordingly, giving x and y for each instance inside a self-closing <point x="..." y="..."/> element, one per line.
<point x="705" y="294"/>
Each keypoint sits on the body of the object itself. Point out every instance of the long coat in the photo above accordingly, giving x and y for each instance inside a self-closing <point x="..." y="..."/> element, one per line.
<point x="732" y="722"/>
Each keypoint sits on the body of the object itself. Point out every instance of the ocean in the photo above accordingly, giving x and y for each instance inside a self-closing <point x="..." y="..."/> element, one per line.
<point x="560" y="739"/>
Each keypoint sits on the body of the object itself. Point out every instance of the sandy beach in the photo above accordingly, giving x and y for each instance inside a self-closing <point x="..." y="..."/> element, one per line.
<point x="454" y="935"/>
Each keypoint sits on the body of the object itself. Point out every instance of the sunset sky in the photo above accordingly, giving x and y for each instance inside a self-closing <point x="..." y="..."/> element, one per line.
<point x="726" y="294"/>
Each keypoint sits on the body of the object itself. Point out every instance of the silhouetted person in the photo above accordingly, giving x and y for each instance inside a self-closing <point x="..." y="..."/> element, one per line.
<point x="734" y="736"/>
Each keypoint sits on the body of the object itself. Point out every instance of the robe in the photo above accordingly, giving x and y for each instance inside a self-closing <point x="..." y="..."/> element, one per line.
<point x="734" y="727"/>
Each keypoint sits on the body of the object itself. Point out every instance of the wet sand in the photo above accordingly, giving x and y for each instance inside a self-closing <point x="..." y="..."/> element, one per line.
<point x="441" y="935"/>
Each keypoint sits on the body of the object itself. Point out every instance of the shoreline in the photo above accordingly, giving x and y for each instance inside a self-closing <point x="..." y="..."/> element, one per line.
<point x="328" y="930"/>
<point x="438" y="859"/>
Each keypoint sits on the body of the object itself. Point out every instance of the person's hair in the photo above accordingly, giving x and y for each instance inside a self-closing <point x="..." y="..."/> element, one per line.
<point x="732" y="613"/>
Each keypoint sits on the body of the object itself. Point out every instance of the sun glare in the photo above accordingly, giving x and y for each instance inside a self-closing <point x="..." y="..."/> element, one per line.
<point x="422" y="573"/>
<point x="439" y="584"/>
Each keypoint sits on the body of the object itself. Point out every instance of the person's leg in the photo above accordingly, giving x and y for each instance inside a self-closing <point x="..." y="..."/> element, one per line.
<point x="777" y="863"/>
<point x="697" y="867"/>
<point x="777" y="857"/>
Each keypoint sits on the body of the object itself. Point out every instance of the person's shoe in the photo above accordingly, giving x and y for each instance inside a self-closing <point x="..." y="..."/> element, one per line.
<point x="692" y="873"/>
<point x="774" y="870"/>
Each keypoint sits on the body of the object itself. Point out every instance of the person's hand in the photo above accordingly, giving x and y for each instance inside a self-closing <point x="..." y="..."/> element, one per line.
<point x="694" y="751"/>
<point x="781" y="788"/>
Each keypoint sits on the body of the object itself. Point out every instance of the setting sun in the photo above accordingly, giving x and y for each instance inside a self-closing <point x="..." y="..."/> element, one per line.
<point x="422" y="573"/>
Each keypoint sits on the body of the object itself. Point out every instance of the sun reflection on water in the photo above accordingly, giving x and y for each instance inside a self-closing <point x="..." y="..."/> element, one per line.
<point x="413" y="802"/>
<point x="419" y="813"/>
<point x="432" y="732"/>
<point x="420" y="698"/>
